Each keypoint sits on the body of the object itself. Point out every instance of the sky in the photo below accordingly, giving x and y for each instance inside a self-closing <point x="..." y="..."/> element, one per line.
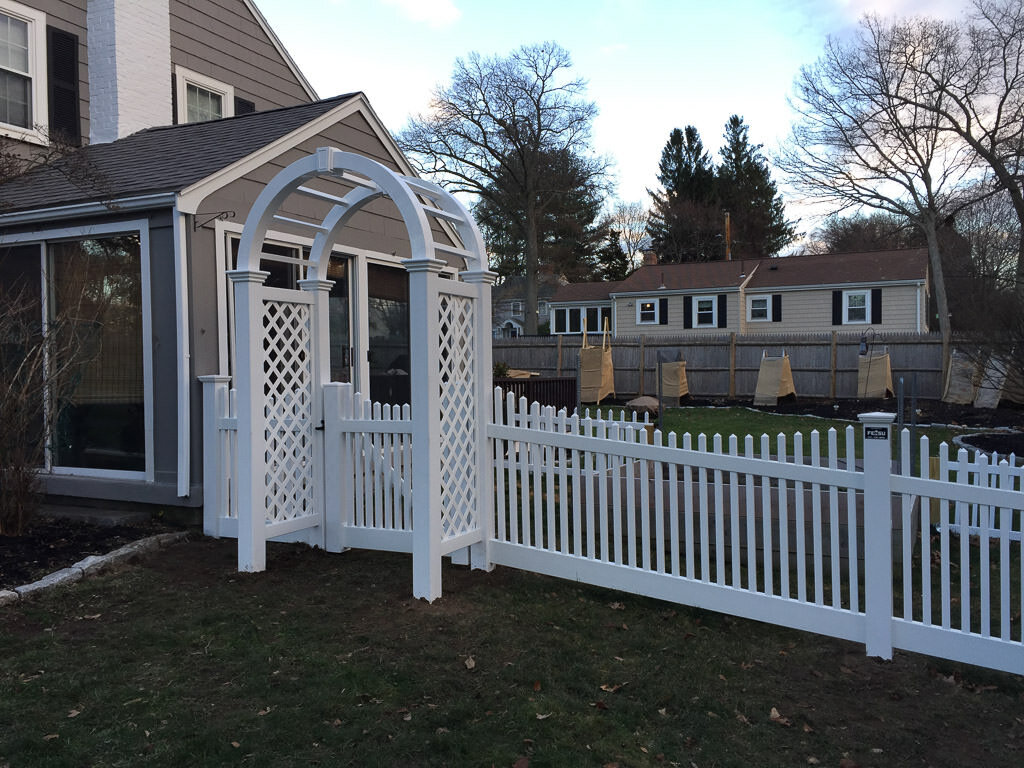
<point x="650" y="65"/>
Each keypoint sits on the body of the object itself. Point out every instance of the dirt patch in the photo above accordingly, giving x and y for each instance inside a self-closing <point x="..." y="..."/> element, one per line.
<point x="52" y="543"/>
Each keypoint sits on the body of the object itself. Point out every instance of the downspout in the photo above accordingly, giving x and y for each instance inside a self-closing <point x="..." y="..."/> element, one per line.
<point x="181" y="309"/>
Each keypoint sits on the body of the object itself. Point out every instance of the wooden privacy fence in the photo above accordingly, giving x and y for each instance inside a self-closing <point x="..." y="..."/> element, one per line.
<point x="726" y="364"/>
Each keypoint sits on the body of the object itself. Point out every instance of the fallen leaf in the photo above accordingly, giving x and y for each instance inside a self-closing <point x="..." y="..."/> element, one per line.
<point x="599" y="705"/>
<point x="617" y="606"/>
<point x="470" y="662"/>
<point x="813" y="761"/>
<point x="611" y="688"/>
<point x="235" y="744"/>
<point x="407" y="716"/>
<point x="722" y="678"/>
<point x="663" y="712"/>
<point x="536" y="685"/>
<point x="51" y="736"/>
<point x="808" y="729"/>
<point x="746" y="665"/>
<point x="742" y="718"/>
<point x="74" y="713"/>
<point x="263" y="712"/>
<point x="644" y="750"/>
<point x="777" y="718"/>
<point x="543" y="717"/>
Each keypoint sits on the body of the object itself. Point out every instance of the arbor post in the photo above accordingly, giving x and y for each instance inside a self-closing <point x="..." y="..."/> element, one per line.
<point x="424" y="347"/>
<point x="215" y="404"/>
<point x="877" y="533"/>
<point x="252" y="461"/>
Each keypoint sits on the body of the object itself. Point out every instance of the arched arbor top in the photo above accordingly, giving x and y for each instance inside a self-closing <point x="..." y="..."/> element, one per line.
<point x="419" y="203"/>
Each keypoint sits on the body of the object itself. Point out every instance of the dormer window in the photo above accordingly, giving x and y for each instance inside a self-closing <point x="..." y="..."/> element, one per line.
<point x="202" y="98"/>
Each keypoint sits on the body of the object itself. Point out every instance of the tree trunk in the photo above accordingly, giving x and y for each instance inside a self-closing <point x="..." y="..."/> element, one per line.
<point x="939" y="281"/>
<point x="531" y="269"/>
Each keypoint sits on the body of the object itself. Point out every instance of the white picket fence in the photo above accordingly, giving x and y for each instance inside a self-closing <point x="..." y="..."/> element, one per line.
<point x="787" y="533"/>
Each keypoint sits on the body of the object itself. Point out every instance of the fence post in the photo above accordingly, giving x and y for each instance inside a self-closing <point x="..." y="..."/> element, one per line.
<point x="215" y="400"/>
<point x="878" y="533"/>
<point x="338" y="478"/>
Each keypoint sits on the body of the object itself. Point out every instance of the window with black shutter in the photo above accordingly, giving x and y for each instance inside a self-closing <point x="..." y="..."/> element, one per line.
<point x="62" y="76"/>
<point x="663" y="311"/>
<point x="876" y="306"/>
<point x="776" y="307"/>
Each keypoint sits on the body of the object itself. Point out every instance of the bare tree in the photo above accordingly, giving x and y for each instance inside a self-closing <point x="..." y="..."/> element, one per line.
<point x="630" y="221"/>
<point x="972" y="83"/>
<point x="489" y="130"/>
<point x="867" y="136"/>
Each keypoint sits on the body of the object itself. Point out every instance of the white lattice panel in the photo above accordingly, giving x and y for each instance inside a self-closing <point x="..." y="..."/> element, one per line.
<point x="459" y="414"/>
<point x="288" y="402"/>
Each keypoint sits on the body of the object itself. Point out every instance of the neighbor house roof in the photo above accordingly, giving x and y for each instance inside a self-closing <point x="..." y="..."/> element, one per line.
<point x="839" y="268"/>
<point x="584" y="292"/>
<point x="695" y="276"/>
<point x="164" y="159"/>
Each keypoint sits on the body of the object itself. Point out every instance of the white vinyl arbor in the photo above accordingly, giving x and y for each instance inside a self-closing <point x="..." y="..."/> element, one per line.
<point x="282" y="365"/>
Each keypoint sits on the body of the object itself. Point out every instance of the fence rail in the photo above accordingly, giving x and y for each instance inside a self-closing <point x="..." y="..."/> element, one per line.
<point x="925" y="556"/>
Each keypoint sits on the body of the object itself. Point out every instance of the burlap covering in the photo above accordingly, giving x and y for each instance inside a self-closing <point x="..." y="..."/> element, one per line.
<point x="597" y="374"/>
<point x="774" y="380"/>
<point x="874" y="376"/>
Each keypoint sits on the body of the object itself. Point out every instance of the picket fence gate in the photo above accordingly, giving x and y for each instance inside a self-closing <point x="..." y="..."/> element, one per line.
<point x="787" y="532"/>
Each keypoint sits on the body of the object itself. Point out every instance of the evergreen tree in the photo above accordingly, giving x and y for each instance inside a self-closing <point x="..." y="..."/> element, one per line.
<point x="683" y="211"/>
<point x="745" y="189"/>
<point x="688" y="212"/>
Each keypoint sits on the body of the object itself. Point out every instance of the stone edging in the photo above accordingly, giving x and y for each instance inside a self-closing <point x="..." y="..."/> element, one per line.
<point x="94" y="564"/>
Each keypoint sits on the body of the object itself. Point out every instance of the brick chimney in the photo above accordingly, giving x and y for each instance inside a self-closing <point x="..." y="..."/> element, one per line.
<point x="129" y="67"/>
<point x="650" y="258"/>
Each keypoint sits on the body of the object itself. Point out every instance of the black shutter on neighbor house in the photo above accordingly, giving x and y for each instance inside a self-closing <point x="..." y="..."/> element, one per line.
<point x="776" y="307"/>
<point x="244" y="106"/>
<point x="876" y="306"/>
<point x="723" y="318"/>
<point x="837" y="307"/>
<point x="62" y="86"/>
<point x="662" y="311"/>
<point x="687" y="311"/>
<point x="174" y="99"/>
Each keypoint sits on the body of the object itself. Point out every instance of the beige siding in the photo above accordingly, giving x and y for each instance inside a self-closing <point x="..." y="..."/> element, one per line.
<point x="808" y="311"/>
<point x="625" y="316"/>
<point x="222" y="40"/>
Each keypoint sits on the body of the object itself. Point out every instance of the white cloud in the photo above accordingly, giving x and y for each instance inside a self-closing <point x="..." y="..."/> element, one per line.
<point x="436" y="13"/>
<point x="614" y="48"/>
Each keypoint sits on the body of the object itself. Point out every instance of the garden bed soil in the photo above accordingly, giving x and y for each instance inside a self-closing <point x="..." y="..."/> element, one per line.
<point x="52" y="543"/>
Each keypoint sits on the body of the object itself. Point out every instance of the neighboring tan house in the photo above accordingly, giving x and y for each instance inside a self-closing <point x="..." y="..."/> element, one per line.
<point x="886" y="290"/>
<point x="148" y="214"/>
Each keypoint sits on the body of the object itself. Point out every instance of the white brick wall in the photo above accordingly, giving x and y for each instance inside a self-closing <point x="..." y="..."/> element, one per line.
<point x="129" y="67"/>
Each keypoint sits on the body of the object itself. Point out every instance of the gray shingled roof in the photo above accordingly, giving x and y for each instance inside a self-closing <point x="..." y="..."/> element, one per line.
<point x="165" y="159"/>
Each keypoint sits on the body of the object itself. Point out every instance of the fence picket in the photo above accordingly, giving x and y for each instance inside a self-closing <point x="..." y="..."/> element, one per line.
<point x="799" y="524"/>
<point x="719" y="516"/>
<point x="783" y="522"/>
<point x="833" y="521"/>
<point x="962" y="515"/>
<point x="817" y="542"/>
<point x="766" y="521"/>
<point x="702" y="491"/>
<point x="748" y="487"/>
<point x="688" y="510"/>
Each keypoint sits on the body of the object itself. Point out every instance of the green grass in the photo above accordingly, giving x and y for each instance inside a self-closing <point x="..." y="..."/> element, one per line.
<point x="748" y="421"/>
<point x="327" y="660"/>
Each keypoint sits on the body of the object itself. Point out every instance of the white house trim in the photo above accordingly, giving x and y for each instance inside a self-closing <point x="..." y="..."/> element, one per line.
<point x="184" y="77"/>
<point x="77" y="210"/>
<point x="184" y="352"/>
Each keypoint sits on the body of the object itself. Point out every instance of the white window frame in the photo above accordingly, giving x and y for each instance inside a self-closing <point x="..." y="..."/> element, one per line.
<point x="866" y="293"/>
<point x="767" y="309"/>
<point x="38" y="132"/>
<point x="696" y="312"/>
<point x="516" y="308"/>
<point x="141" y="228"/>
<point x="184" y="77"/>
<point x="655" y="311"/>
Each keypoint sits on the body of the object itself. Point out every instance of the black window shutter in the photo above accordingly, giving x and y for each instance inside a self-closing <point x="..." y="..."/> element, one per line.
<point x="837" y="307"/>
<point x="876" y="306"/>
<point x="62" y="86"/>
<point x="776" y="307"/>
<point x="723" y="318"/>
<point x="662" y="311"/>
<point x="174" y="99"/>
<point x="687" y="311"/>
<point x="244" y="106"/>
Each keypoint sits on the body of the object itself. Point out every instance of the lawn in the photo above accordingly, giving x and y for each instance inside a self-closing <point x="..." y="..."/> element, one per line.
<point x="749" y="421"/>
<point x="327" y="660"/>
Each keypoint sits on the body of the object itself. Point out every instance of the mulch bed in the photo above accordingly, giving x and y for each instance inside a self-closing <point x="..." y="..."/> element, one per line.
<point x="52" y="543"/>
